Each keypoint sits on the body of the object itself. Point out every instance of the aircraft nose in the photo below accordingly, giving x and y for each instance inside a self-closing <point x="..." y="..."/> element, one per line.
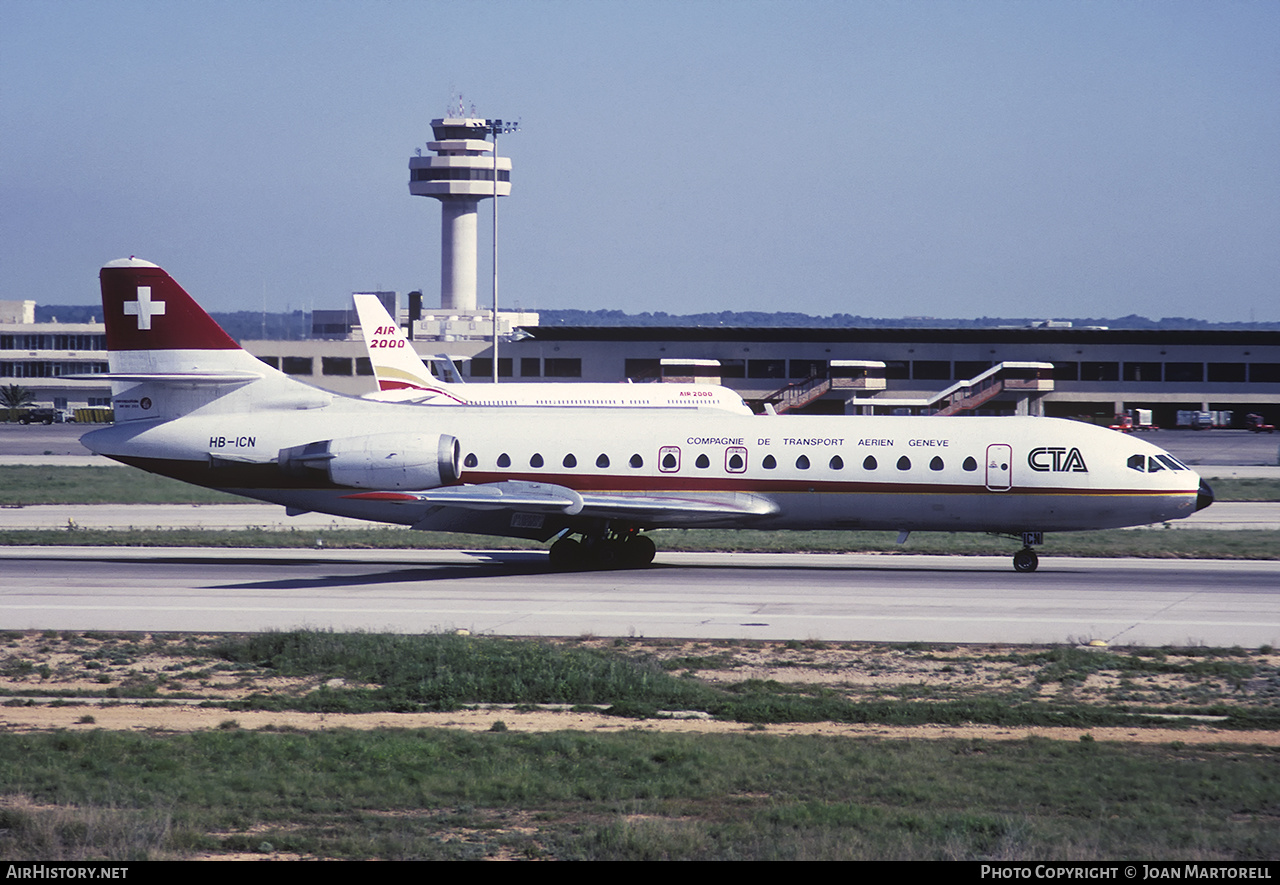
<point x="1204" y="497"/>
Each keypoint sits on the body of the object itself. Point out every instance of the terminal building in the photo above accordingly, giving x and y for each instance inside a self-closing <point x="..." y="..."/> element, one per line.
<point x="35" y="356"/>
<point x="1095" y="373"/>
<point x="1085" y="373"/>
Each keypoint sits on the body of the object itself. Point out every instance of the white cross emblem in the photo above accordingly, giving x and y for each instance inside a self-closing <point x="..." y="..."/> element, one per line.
<point x="144" y="308"/>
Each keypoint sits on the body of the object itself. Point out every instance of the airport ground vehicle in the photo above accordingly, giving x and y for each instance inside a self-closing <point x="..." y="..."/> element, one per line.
<point x="42" y="415"/>
<point x="1132" y="420"/>
<point x="1257" y="424"/>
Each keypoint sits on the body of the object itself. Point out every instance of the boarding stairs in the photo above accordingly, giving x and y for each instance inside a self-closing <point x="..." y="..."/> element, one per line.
<point x="1027" y="381"/>
<point x="799" y="394"/>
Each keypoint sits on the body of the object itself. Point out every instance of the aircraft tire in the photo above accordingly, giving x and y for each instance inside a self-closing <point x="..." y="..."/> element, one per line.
<point x="612" y="553"/>
<point x="639" y="551"/>
<point x="1025" y="560"/>
<point x="566" y="555"/>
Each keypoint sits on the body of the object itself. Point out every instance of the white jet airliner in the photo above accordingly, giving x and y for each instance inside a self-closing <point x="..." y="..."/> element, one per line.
<point x="403" y="377"/>
<point x="191" y="404"/>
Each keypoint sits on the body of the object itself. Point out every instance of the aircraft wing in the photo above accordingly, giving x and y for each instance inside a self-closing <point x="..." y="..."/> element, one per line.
<point x="551" y="498"/>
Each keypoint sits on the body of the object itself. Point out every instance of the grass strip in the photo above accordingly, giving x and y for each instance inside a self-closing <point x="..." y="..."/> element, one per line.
<point x="25" y="485"/>
<point x="376" y="672"/>
<point x="427" y="794"/>
<point x="400" y="672"/>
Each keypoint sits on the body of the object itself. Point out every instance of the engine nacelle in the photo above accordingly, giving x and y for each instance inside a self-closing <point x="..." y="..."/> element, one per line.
<point x="390" y="461"/>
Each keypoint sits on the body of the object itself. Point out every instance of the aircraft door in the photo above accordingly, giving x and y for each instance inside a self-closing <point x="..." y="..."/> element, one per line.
<point x="999" y="467"/>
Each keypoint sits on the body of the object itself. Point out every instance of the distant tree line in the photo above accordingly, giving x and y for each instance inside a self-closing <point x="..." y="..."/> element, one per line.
<point x="245" y="325"/>
<point x="242" y="325"/>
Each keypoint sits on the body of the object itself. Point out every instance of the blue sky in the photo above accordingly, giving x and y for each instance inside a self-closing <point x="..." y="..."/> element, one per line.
<point x="948" y="159"/>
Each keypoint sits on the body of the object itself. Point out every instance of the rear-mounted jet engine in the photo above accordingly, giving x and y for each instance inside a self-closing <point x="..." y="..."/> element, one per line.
<point x="391" y="461"/>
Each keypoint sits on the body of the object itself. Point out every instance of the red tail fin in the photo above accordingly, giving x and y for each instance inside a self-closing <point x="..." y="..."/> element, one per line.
<point x="145" y="309"/>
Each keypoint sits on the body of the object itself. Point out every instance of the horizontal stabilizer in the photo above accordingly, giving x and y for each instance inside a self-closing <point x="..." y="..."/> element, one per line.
<point x="191" y="378"/>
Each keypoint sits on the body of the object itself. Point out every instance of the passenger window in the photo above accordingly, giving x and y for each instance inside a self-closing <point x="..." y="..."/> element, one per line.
<point x="769" y="462"/>
<point x="636" y="461"/>
<point x="802" y="463"/>
<point x="837" y="463"/>
<point x="904" y="463"/>
<point x="570" y="461"/>
<point x="970" y="464"/>
<point x="1138" y="463"/>
<point x="702" y="463"/>
<point x="869" y="463"/>
<point x="735" y="462"/>
<point x="603" y="461"/>
<point x="504" y="460"/>
<point x="471" y="460"/>
<point x="536" y="460"/>
<point x="936" y="463"/>
<point x="670" y="461"/>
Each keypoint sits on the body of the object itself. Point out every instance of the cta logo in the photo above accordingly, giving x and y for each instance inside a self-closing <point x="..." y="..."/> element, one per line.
<point x="1056" y="459"/>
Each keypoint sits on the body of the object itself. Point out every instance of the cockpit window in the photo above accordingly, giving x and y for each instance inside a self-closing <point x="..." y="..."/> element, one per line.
<point x="1138" y="463"/>
<point x="1171" y="462"/>
<point x="1154" y="465"/>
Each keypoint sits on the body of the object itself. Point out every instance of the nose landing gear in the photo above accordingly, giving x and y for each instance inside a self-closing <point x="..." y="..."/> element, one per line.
<point x="1025" y="560"/>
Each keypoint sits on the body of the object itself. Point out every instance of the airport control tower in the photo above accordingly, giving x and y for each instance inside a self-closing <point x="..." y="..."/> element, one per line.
<point x="460" y="175"/>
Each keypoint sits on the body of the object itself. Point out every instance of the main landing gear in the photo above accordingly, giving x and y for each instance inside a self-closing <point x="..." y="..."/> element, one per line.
<point x="607" y="551"/>
<point x="1025" y="560"/>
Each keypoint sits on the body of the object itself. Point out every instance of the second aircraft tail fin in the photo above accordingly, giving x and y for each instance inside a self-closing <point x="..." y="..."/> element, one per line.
<point x="400" y="372"/>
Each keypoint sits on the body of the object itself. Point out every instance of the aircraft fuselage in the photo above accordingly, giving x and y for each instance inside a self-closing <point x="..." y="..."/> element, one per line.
<point x="916" y="474"/>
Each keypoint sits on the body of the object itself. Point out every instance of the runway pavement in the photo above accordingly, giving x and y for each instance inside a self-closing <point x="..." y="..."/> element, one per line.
<point x="835" y="597"/>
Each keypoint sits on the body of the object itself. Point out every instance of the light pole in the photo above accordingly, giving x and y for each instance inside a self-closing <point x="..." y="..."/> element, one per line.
<point x="496" y="127"/>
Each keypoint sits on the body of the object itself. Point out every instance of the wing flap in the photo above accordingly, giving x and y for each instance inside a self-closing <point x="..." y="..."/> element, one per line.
<point x="676" y="507"/>
<point x="513" y="495"/>
<point x="198" y="379"/>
